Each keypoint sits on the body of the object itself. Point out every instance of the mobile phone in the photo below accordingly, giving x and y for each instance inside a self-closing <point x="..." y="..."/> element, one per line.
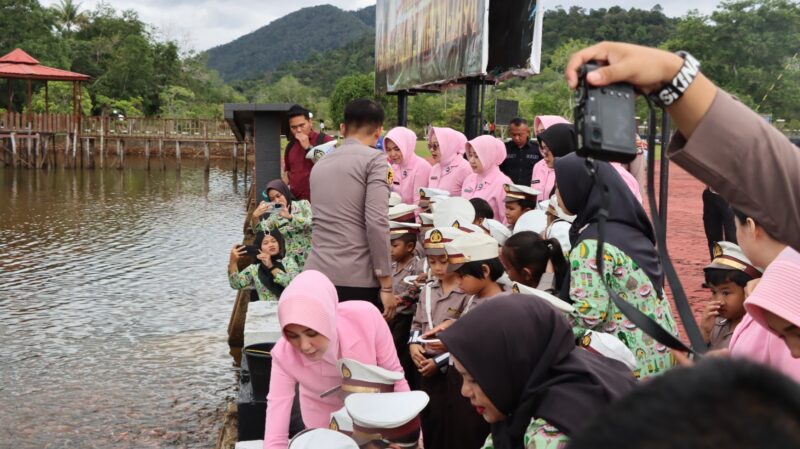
<point x="250" y="250"/>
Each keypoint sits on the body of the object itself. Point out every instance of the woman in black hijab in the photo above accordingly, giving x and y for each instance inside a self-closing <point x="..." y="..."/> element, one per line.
<point x="632" y="266"/>
<point x="279" y="210"/>
<point x="556" y="141"/>
<point x="523" y="372"/>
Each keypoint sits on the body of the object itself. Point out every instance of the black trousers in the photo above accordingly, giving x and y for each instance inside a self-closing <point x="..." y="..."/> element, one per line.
<point x="717" y="220"/>
<point x="434" y="416"/>
<point x="401" y="328"/>
<point x="369" y="294"/>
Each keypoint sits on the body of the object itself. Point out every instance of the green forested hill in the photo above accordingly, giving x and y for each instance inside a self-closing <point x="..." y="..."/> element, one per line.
<point x="291" y="38"/>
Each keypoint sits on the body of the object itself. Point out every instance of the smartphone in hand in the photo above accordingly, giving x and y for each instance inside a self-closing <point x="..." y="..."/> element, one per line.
<point x="251" y="250"/>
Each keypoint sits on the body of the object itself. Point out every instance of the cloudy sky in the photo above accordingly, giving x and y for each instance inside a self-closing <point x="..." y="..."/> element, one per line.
<point x="202" y="24"/>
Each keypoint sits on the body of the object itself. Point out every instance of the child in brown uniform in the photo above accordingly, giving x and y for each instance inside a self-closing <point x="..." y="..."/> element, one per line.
<point x="405" y="265"/>
<point x="441" y="300"/>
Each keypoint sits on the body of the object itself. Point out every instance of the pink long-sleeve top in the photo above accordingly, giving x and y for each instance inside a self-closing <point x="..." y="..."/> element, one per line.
<point x="449" y="174"/>
<point x="778" y="292"/>
<point x="413" y="172"/>
<point x="355" y="330"/>
<point x="489" y="183"/>
<point x="543" y="179"/>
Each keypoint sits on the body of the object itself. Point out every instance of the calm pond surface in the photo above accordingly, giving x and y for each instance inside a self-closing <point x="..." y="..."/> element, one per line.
<point x="114" y="305"/>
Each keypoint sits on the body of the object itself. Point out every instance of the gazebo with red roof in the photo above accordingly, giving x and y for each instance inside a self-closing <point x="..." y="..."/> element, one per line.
<point x="21" y="65"/>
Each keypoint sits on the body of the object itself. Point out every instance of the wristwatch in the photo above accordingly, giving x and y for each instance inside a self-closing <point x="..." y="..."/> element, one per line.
<point x="672" y="91"/>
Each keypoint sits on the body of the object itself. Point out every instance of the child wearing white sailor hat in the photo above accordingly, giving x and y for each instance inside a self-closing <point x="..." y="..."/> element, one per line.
<point x="519" y="199"/>
<point x="426" y="193"/>
<point x="403" y="212"/>
<point x="386" y="420"/>
<point x="533" y="220"/>
<point x="455" y="211"/>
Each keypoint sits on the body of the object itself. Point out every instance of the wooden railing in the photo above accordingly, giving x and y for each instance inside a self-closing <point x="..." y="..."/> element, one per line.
<point x="113" y="127"/>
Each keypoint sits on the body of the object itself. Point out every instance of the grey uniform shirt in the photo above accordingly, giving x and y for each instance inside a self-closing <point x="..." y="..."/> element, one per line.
<point x="350" y="204"/>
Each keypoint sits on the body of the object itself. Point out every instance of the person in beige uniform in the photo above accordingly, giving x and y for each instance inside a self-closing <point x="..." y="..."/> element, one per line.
<point x="720" y="141"/>
<point x="350" y="203"/>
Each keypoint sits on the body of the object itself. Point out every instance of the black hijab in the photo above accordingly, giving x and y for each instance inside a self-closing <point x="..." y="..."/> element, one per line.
<point x="280" y="186"/>
<point x="264" y="274"/>
<point x="522" y="353"/>
<point x="560" y="139"/>
<point x="628" y="226"/>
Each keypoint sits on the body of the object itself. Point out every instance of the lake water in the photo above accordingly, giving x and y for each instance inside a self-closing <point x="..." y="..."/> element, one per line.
<point x="114" y="305"/>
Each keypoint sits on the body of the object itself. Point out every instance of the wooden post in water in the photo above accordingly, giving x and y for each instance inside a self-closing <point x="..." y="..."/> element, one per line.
<point x="147" y="152"/>
<point x="102" y="142"/>
<point x="29" y="146"/>
<point x="14" y="157"/>
<point x="207" y="156"/>
<point x="245" y="164"/>
<point x="178" y="155"/>
<point x="120" y="153"/>
<point x="43" y="142"/>
<point x="87" y="153"/>
<point x="75" y="152"/>
<point x="66" y="150"/>
<point x="161" y="154"/>
<point x="235" y="160"/>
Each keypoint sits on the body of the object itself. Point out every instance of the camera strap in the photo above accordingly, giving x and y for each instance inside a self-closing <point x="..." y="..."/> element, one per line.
<point x="637" y="317"/>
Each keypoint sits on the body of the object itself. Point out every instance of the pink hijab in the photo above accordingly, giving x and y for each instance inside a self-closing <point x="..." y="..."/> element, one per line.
<point x="310" y="300"/>
<point x="778" y="291"/>
<point x="413" y="172"/>
<point x="489" y="184"/>
<point x="548" y="121"/>
<point x="450" y="172"/>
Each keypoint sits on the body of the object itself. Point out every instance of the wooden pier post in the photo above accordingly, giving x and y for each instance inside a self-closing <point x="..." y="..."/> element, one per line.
<point x="29" y="146"/>
<point x="120" y="153"/>
<point x="14" y="157"/>
<point x="178" y="155"/>
<point x="102" y="143"/>
<point x="43" y="141"/>
<point x="66" y="150"/>
<point x="235" y="159"/>
<point x="161" y="154"/>
<point x="75" y="152"/>
<point x="36" y="145"/>
<point x="147" y="153"/>
<point x="207" y="156"/>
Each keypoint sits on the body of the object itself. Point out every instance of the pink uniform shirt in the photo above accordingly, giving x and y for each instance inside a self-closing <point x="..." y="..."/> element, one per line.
<point x="488" y="184"/>
<point x="449" y="174"/>
<point x="412" y="172"/>
<point x="355" y="329"/>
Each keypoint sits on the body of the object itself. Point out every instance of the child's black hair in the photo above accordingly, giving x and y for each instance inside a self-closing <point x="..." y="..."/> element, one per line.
<point x="408" y="238"/>
<point x="475" y="269"/>
<point x="529" y="250"/>
<point x="482" y="209"/>
<point x="717" y="276"/>
<point x="525" y="204"/>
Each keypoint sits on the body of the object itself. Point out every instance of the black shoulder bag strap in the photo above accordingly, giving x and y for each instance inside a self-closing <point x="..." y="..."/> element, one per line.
<point x="636" y="316"/>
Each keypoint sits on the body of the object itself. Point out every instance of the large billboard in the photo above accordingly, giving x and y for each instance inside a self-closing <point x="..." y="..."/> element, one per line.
<point x="425" y="44"/>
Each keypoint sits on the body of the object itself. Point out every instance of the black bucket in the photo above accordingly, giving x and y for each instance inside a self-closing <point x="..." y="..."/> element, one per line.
<point x="259" y="363"/>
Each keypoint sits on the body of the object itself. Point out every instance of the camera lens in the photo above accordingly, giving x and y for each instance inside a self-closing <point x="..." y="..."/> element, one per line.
<point x="597" y="135"/>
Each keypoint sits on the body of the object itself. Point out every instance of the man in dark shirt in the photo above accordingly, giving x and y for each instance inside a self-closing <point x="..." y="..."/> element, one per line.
<point x="522" y="153"/>
<point x="297" y="168"/>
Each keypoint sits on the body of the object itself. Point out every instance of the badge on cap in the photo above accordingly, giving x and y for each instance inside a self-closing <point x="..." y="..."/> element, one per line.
<point x="717" y="250"/>
<point x="436" y="236"/>
<point x="346" y="373"/>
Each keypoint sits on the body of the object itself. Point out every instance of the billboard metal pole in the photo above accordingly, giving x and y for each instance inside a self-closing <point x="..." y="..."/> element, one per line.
<point x="472" y="109"/>
<point x="402" y="108"/>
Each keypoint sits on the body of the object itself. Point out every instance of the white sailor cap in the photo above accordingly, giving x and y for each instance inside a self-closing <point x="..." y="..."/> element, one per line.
<point x="341" y="421"/>
<point x="471" y="247"/>
<point x="426" y="193"/>
<point x="435" y="201"/>
<point x="316" y="153"/>
<point x="498" y="230"/>
<point x="403" y="212"/>
<point x="322" y="439"/>
<point x="554" y="209"/>
<point x="516" y="192"/>
<point x="559" y="230"/>
<point x="554" y="301"/>
<point x="609" y="346"/>
<point x="533" y="220"/>
<point x="729" y="256"/>
<point x="395" y="199"/>
<point x="455" y="211"/>
<point x="398" y="229"/>
<point x="358" y="377"/>
<point x="391" y="418"/>
<point x="471" y="227"/>
<point x="436" y="239"/>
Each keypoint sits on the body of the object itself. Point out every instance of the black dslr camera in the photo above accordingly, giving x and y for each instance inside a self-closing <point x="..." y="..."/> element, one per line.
<point x="605" y="119"/>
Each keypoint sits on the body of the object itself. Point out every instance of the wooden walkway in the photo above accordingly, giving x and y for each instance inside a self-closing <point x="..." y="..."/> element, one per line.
<point x="31" y="140"/>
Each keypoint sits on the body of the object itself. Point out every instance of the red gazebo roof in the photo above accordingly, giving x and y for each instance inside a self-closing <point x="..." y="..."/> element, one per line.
<point x="19" y="64"/>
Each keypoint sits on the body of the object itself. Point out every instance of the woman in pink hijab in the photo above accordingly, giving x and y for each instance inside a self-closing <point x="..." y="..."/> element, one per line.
<point x="317" y="331"/>
<point x="485" y="154"/>
<point x="411" y="172"/>
<point x="544" y="173"/>
<point x="450" y="168"/>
